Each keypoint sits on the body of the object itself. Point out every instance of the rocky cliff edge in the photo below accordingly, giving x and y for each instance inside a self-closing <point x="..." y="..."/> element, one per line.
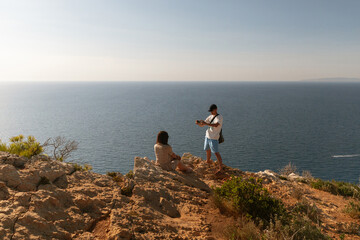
<point x="45" y="199"/>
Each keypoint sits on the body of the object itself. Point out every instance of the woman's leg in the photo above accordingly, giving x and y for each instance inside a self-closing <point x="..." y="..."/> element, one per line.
<point x="183" y="167"/>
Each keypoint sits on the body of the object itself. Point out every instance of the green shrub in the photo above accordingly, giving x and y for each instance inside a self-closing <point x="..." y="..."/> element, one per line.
<point x="130" y="174"/>
<point x="337" y="188"/>
<point x="115" y="176"/>
<point x="297" y="193"/>
<point x="246" y="230"/>
<point x="3" y="147"/>
<point x="310" y="211"/>
<point x="249" y="197"/>
<point x="301" y="228"/>
<point x="25" y="148"/>
<point x="298" y="228"/>
<point x="353" y="209"/>
<point x="126" y="190"/>
<point x="262" y="216"/>
<point x="82" y="168"/>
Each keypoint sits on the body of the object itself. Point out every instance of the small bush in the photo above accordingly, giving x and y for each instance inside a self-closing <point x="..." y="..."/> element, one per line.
<point x="299" y="228"/>
<point x="288" y="169"/>
<point x="251" y="198"/>
<point x="307" y="175"/>
<point x="3" y="147"/>
<point x="324" y="186"/>
<point x="82" y="168"/>
<point x="115" y="176"/>
<point x="311" y="211"/>
<point x="246" y="230"/>
<point x="350" y="228"/>
<point x="337" y="188"/>
<point x="126" y="190"/>
<point x="263" y="217"/>
<point x="224" y="205"/>
<point x="130" y="174"/>
<point x="25" y="148"/>
<point x="297" y="193"/>
<point x="353" y="209"/>
<point x="61" y="148"/>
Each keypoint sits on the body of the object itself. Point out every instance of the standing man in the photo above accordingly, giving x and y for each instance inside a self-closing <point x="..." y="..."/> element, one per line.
<point x="211" y="145"/>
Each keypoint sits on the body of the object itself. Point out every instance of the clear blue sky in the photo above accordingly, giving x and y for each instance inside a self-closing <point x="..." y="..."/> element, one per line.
<point x="86" y="40"/>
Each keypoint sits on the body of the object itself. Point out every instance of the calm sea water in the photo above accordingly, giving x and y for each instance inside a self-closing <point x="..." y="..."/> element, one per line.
<point x="316" y="126"/>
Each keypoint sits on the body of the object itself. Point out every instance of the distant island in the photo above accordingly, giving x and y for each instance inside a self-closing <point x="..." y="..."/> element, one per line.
<point x="336" y="79"/>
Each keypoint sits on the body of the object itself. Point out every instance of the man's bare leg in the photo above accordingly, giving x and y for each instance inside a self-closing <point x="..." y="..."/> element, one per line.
<point x="219" y="159"/>
<point x="208" y="156"/>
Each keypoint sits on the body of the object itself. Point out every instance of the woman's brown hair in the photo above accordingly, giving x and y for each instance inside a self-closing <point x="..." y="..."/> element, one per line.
<point x="162" y="138"/>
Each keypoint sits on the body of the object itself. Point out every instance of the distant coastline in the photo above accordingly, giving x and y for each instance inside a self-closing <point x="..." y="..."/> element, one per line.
<point x="337" y="79"/>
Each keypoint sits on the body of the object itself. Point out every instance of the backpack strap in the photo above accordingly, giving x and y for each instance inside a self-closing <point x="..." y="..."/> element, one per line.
<point x="214" y="118"/>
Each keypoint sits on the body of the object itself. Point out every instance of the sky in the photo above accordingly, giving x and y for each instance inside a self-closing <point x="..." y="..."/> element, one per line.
<point x="184" y="40"/>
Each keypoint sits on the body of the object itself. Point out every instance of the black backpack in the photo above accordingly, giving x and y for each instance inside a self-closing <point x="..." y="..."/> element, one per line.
<point x="221" y="138"/>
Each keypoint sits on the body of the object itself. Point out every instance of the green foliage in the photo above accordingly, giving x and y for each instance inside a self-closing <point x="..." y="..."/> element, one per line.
<point x="298" y="228"/>
<point x="247" y="229"/>
<point x="3" y="147"/>
<point x="303" y="208"/>
<point x="82" y="168"/>
<point x="126" y="190"/>
<point x="130" y="174"/>
<point x="265" y="217"/>
<point x="251" y="198"/>
<point x="115" y="176"/>
<point x="337" y="188"/>
<point x="302" y="228"/>
<point x="353" y="209"/>
<point x="297" y="193"/>
<point x="19" y="146"/>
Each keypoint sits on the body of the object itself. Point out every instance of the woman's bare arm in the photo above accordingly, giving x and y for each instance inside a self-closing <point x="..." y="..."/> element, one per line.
<point x="174" y="156"/>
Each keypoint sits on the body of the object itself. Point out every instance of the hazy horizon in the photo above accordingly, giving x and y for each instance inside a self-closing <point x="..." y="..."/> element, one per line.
<point x="178" y="41"/>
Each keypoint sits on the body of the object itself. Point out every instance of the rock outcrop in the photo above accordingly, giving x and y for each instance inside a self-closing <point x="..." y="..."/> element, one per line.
<point x="45" y="199"/>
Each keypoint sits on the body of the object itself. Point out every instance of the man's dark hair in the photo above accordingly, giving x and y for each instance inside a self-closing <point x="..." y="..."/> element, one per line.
<point x="212" y="107"/>
<point x="162" y="138"/>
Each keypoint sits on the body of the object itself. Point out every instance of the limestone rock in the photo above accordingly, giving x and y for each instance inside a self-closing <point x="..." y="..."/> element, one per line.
<point x="9" y="175"/>
<point x="268" y="176"/>
<point x="293" y="177"/>
<point x="169" y="208"/>
<point x="4" y="192"/>
<point x="45" y="199"/>
<point x="11" y="159"/>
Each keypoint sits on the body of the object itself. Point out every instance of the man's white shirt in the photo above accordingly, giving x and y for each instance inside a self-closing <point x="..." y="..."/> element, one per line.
<point x="214" y="132"/>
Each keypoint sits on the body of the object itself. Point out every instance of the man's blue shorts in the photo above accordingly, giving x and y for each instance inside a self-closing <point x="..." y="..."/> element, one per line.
<point x="212" y="144"/>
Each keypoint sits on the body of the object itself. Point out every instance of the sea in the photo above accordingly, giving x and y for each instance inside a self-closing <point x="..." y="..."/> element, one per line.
<point x="315" y="126"/>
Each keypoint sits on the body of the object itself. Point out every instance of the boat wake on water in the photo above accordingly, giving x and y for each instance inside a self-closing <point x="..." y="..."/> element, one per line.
<point x="346" y="156"/>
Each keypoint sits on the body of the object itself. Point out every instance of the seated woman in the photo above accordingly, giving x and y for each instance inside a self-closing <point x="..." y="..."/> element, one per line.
<point x="165" y="157"/>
